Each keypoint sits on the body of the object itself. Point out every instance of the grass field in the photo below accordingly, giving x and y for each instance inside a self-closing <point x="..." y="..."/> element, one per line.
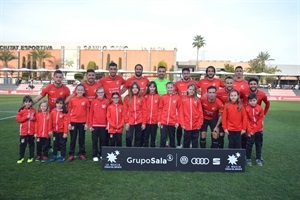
<point x="279" y="178"/>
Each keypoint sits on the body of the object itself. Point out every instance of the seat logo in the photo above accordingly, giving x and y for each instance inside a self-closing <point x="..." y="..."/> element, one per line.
<point x="200" y="161"/>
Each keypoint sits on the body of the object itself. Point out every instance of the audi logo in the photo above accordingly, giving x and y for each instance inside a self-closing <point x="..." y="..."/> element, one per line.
<point x="200" y="161"/>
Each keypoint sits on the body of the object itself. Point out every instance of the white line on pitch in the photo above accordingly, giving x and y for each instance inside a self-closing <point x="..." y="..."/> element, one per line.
<point x="7" y="118"/>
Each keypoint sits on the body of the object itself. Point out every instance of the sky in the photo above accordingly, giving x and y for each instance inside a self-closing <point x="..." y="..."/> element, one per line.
<point x="233" y="30"/>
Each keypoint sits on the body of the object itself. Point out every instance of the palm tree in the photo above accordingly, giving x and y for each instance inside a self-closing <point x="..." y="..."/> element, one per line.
<point x="6" y="56"/>
<point x="198" y="42"/>
<point x="228" y="67"/>
<point x="40" y="55"/>
<point x="263" y="57"/>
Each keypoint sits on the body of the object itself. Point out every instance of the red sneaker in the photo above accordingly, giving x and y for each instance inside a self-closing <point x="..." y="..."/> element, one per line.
<point x="82" y="157"/>
<point x="38" y="158"/>
<point x="71" y="158"/>
<point x="44" y="159"/>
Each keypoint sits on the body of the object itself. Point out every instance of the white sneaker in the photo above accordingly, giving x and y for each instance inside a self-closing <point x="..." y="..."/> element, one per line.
<point x="95" y="159"/>
<point x="179" y="147"/>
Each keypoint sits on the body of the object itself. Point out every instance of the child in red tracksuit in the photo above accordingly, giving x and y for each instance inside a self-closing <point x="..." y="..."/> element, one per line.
<point x="152" y="102"/>
<point x="98" y="123"/>
<point x="26" y="118"/>
<point x="78" y="122"/>
<point x="59" y="129"/>
<point x="234" y="120"/>
<point x="191" y="117"/>
<point x="42" y="130"/>
<point x="115" y="119"/>
<point x="134" y="115"/>
<point x="255" y="114"/>
<point x="168" y="115"/>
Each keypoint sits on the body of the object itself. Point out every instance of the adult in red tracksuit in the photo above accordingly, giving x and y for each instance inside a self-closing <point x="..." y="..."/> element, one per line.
<point x="59" y="128"/>
<point x="98" y="122"/>
<point x="191" y="117"/>
<point x="168" y="115"/>
<point x="234" y="120"/>
<point x="133" y="115"/>
<point x="78" y="122"/>
<point x="152" y="99"/>
<point x="115" y="120"/>
<point x="42" y="129"/>
<point x="26" y="118"/>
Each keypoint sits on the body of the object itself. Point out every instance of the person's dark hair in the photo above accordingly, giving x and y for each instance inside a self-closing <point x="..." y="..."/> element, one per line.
<point x="161" y="67"/>
<point x="57" y="72"/>
<point x="252" y="96"/>
<point x="211" y="87"/>
<point x="228" y="77"/>
<point x="253" y="79"/>
<point x="26" y="98"/>
<point x="62" y="100"/>
<point x="238" y="67"/>
<point x="138" y="65"/>
<point x="90" y="70"/>
<point x="210" y="67"/>
<point x="113" y="64"/>
<point x="185" y="69"/>
<point x="152" y="83"/>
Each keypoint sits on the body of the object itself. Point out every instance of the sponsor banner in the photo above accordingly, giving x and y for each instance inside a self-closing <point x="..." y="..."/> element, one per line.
<point x="168" y="159"/>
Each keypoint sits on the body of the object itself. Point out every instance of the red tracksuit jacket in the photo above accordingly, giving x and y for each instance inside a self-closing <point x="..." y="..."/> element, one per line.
<point x="42" y="125"/>
<point x="168" y="109"/>
<point x="190" y="114"/>
<point x="134" y="110"/>
<point x="255" y="116"/>
<point x="115" y="118"/>
<point x="98" y="112"/>
<point x="58" y="121"/>
<point x="79" y="110"/>
<point x="232" y="119"/>
<point x="27" y="127"/>
<point x="152" y="103"/>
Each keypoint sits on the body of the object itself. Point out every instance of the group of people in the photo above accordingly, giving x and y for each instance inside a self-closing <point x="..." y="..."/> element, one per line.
<point x="181" y="110"/>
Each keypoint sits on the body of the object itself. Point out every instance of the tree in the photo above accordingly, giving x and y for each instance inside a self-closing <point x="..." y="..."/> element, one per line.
<point x="6" y="56"/>
<point x="258" y="64"/>
<point x="120" y="63"/>
<point x="198" y="43"/>
<point x="263" y="57"/>
<point x="107" y="61"/>
<point x="163" y="63"/>
<point x="91" y="65"/>
<point x="228" y="67"/>
<point x="40" y="55"/>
